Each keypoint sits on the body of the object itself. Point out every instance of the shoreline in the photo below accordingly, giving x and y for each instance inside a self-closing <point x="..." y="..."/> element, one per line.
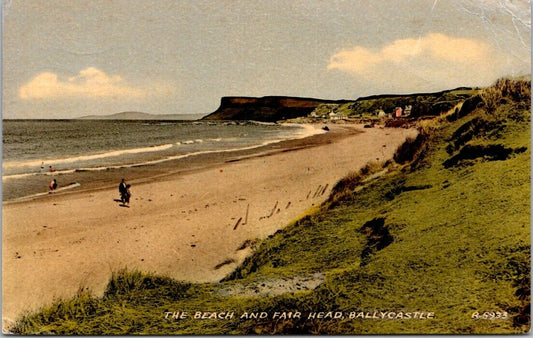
<point x="182" y="224"/>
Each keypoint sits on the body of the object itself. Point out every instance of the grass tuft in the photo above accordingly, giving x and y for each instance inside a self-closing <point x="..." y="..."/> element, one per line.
<point x="345" y="188"/>
<point x="505" y="90"/>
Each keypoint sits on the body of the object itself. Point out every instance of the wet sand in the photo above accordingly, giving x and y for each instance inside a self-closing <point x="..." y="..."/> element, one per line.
<point x="184" y="220"/>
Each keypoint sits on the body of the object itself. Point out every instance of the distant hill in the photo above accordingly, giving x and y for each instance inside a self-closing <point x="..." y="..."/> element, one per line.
<point x="132" y="115"/>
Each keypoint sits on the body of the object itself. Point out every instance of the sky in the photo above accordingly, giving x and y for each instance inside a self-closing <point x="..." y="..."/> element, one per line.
<point x="66" y="59"/>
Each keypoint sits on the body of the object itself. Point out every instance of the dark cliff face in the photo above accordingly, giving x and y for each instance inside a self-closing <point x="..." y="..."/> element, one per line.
<point x="265" y="109"/>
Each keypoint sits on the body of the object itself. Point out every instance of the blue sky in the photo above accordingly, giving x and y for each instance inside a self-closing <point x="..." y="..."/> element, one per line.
<point x="65" y="59"/>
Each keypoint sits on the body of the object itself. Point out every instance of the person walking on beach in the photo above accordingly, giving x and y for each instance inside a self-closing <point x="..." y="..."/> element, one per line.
<point x="122" y="190"/>
<point x="127" y="194"/>
<point x="52" y="186"/>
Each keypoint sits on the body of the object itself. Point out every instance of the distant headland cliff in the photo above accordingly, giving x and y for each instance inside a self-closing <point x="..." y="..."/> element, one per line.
<point x="276" y="108"/>
<point x="266" y="109"/>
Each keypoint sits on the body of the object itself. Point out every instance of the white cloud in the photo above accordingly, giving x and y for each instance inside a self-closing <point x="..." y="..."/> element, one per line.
<point x="89" y="83"/>
<point x="435" y="58"/>
<point x="439" y="47"/>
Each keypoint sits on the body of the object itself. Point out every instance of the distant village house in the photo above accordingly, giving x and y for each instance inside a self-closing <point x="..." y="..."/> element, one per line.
<point x="407" y="110"/>
<point x="334" y="116"/>
<point x="398" y="111"/>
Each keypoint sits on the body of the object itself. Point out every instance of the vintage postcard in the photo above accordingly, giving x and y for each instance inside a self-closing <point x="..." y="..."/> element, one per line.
<point x="218" y="167"/>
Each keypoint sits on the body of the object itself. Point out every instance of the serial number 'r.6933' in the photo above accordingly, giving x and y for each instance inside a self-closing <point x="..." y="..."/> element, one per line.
<point x="490" y="315"/>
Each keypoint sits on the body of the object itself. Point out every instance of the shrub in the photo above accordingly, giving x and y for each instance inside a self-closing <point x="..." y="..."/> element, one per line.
<point x="134" y="284"/>
<point x="347" y="185"/>
<point x="506" y="89"/>
<point x="468" y="106"/>
<point x="411" y="149"/>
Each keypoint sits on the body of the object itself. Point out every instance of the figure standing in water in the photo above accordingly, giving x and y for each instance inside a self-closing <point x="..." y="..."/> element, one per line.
<point x="52" y="186"/>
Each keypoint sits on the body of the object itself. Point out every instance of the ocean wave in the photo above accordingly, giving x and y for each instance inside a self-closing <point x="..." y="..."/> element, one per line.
<point x="67" y="187"/>
<point x="80" y="158"/>
<point x="307" y="131"/>
<point x="44" y="173"/>
<point x="199" y="140"/>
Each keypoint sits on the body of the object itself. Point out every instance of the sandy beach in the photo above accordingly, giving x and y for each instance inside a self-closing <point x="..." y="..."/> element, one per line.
<point x="182" y="224"/>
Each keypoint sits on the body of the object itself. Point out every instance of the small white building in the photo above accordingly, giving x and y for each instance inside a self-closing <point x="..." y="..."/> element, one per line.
<point x="334" y="116"/>
<point x="407" y="110"/>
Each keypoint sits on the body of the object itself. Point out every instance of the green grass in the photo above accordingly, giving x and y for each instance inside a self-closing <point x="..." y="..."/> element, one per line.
<point x="422" y="237"/>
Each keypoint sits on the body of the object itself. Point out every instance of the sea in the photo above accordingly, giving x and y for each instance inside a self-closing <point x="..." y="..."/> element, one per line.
<point x="94" y="152"/>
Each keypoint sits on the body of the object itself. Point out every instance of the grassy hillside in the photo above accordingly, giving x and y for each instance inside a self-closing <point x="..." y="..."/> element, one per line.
<point x="422" y="104"/>
<point x="437" y="241"/>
